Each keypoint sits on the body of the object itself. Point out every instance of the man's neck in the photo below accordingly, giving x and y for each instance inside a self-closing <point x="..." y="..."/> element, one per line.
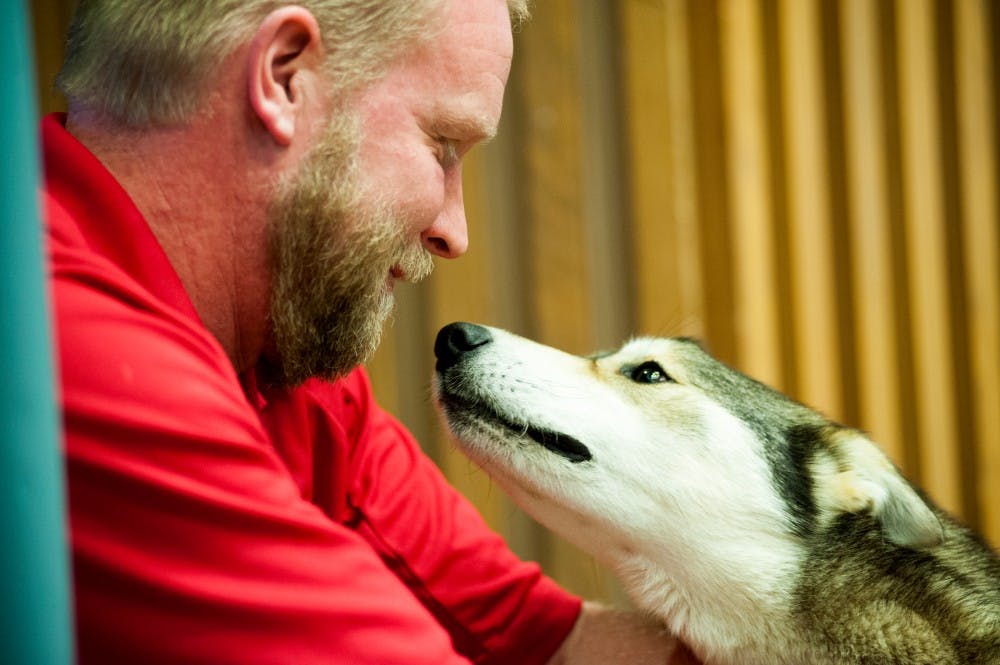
<point x="198" y="191"/>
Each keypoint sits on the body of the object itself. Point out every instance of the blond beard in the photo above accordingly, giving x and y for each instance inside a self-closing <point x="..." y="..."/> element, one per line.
<point x="332" y="256"/>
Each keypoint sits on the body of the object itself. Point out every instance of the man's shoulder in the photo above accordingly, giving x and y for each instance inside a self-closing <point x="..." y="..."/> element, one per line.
<point x="120" y="350"/>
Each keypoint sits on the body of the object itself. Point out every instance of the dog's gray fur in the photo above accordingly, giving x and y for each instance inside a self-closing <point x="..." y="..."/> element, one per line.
<point x="751" y="525"/>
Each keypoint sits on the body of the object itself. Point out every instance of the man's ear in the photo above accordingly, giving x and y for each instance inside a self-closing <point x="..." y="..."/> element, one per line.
<point x="286" y="49"/>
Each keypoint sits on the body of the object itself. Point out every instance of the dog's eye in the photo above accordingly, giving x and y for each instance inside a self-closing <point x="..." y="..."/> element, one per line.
<point x="648" y="372"/>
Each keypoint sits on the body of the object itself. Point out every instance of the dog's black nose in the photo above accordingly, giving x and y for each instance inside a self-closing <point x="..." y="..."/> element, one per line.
<point x="456" y="339"/>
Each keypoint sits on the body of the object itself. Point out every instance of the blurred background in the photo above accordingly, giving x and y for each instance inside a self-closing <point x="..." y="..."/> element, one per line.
<point x="809" y="186"/>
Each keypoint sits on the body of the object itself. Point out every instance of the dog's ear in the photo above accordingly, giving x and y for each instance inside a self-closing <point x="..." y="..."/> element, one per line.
<point x="872" y="484"/>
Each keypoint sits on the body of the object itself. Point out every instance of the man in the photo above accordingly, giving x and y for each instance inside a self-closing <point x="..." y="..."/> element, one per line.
<point x="231" y="197"/>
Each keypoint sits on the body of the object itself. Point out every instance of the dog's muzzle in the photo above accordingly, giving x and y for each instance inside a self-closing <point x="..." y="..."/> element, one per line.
<point x="455" y="340"/>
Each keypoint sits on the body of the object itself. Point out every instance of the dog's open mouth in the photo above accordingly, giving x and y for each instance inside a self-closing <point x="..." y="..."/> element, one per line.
<point x="556" y="442"/>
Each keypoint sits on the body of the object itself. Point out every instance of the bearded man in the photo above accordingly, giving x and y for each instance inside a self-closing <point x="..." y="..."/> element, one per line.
<point x="233" y="193"/>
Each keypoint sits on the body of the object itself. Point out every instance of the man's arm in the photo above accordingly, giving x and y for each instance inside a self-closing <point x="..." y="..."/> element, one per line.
<point x="603" y="635"/>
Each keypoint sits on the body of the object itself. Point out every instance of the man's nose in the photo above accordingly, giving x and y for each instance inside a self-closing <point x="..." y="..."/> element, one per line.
<point x="448" y="236"/>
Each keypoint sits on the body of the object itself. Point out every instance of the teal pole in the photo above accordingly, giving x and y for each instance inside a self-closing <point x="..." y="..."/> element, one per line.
<point x="35" y="619"/>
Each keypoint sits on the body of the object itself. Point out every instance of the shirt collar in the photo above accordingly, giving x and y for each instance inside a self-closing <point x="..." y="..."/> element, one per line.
<point x="103" y="216"/>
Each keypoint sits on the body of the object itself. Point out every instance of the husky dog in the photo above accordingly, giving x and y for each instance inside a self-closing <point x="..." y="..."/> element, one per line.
<point x="751" y="526"/>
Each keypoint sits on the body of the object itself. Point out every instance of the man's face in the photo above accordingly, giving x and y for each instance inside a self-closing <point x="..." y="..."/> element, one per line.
<point x="380" y="192"/>
<point x="334" y="256"/>
<point x="428" y="111"/>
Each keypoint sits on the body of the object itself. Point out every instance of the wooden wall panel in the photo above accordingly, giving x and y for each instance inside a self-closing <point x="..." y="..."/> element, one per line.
<point x="879" y="395"/>
<point x="976" y="61"/>
<point x="810" y="227"/>
<point x="604" y="212"/>
<point x="465" y="291"/>
<point x="931" y="332"/>
<point x="884" y="182"/>
<point x="552" y="176"/>
<point x="708" y="163"/>
<point x="549" y="97"/>
<point x="666" y="270"/>
<point x="756" y="318"/>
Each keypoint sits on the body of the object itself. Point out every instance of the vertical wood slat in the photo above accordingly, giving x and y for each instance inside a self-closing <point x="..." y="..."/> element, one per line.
<point x="606" y="227"/>
<point x="979" y="177"/>
<point x="552" y="177"/>
<point x="494" y="199"/>
<point x="756" y="315"/>
<point x="811" y="240"/>
<point x="647" y="135"/>
<point x="708" y="163"/>
<point x="926" y="242"/>
<point x="869" y="217"/>
<point x="684" y="207"/>
<point x="662" y="178"/>
<point x="463" y="291"/>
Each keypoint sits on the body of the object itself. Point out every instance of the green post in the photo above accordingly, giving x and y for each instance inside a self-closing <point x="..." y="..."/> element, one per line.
<point x="35" y="619"/>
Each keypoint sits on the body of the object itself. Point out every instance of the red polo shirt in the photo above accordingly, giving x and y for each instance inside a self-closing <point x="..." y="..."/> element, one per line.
<point x="213" y="522"/>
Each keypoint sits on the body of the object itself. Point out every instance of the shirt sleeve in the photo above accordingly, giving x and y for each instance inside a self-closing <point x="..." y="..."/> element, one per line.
<point x="191" y="541"/>
<point x="497" y="608"/>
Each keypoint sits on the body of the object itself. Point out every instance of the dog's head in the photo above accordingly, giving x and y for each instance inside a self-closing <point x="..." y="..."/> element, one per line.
<point x="659" y="445"/>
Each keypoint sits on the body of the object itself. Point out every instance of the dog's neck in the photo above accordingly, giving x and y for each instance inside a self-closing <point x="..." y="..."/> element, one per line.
<point x="726" y="598"/>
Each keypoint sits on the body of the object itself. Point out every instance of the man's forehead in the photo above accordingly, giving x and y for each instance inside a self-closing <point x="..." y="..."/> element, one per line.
<point x="467" y="65"/>
<point x="453" y="83"/>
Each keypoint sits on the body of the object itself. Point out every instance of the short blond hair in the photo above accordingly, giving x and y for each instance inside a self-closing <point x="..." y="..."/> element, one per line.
<point x="147" y="63"/>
